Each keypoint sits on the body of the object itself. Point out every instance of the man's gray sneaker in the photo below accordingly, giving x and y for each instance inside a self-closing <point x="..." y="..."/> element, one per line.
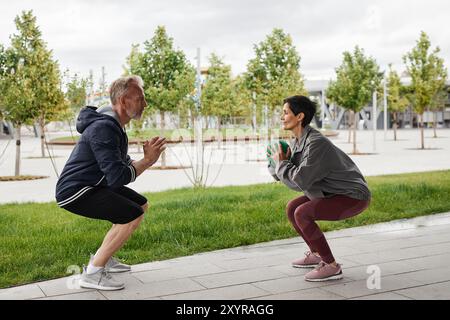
<point x="101" y="280"/>
<point x="115" y="266"/>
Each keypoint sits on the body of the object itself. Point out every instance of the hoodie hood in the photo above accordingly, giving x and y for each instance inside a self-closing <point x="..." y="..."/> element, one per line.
<point x="90" y="114"/>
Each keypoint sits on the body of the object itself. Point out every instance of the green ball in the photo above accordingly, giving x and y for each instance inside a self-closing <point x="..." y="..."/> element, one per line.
<point x="284" y="147"/>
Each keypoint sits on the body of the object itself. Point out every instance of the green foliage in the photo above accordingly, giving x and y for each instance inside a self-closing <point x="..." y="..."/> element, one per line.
<point x="273" y="74"/>
<point x="219" y="94"/>
<point x="427" y="71"/>
<point x="49" y="98"/>
<point x="76" y="93"/>
<point x="439" y="100"/>
<point x="132" y="61"/>
<point x="17" y="98"/>
<point x="30" y="78"/>
<point x="357" y="78"/>
<point x="243" y="106"/>
<point x="168" y="77"/>
<point x="19" y="78"/>
<point x="397" y="101"/>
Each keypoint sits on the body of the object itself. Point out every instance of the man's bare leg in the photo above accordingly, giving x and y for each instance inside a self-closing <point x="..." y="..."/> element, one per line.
<point x="115" y="239"/>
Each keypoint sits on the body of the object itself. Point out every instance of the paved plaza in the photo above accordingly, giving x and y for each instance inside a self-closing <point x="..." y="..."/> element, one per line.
<point x="240" y="166"/>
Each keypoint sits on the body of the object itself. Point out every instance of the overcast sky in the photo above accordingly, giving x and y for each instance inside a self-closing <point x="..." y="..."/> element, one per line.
<point x="89" y="34"/>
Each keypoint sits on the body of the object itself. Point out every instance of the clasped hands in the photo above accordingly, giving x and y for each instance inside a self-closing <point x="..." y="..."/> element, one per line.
<point x="279" y="155"/>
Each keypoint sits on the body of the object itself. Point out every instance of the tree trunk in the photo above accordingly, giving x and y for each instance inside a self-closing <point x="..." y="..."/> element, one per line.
<point x="41" y="129"/>
<point x="395" y="126"/>
<point x="163" y="125"/>
<point x="219" y="133"/>
<point x="254" y="125"/>
<point x="17" y="168"/>
<point x="434" y="123"/>
<point x="269" y="124"/>
<point x="350" y="119"/>
<point x="355" y="151"/>
<point x="192" y="117"/>
<point x="422" y="139"/>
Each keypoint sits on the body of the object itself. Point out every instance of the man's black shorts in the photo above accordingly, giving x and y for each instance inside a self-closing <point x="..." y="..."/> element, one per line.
<point x="120" y="206"/>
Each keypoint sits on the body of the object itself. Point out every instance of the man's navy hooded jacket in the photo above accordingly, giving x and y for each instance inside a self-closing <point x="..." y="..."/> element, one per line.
<point x="99" y="158"/>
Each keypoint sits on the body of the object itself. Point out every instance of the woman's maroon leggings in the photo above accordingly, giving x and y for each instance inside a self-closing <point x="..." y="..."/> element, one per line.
<point x="303" y="214"/>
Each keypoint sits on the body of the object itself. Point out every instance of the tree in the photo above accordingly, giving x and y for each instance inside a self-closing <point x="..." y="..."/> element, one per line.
<point x="428" y="76"/>
<point x="132" y="61"/>
<point x="356" y="79"/>
<point x="30" y="63"/>
<point x="219" y="97"/>
<point x="49" y="99"/>
<point x="243" y="106"/>
<point x="3" y="72"/>
<point x="17" y="98"/>
<point x="168" y="77"/>
<point x="76" y="95"/>
<point x="397" y="101"/>
<point x="438" y="103"/>
<point x="21" y="76"/>
<point x="103" y="90"/>
<point x="273" y="74"/>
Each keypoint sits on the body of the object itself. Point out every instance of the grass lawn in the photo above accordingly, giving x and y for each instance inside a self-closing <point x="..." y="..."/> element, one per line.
<point x="39" y="241"/>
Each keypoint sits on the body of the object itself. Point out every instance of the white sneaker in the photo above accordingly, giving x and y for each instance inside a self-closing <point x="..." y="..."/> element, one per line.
<point x="114" y="266"/>
<point x="100" y="280"/>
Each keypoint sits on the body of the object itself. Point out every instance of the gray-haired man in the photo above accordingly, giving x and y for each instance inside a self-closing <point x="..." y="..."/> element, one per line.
<point x="93" y="180"/>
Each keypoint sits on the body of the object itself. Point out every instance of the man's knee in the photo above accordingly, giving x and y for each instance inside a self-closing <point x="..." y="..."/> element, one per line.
<point x="136" y="222"/>
<point x="145" y="207"/>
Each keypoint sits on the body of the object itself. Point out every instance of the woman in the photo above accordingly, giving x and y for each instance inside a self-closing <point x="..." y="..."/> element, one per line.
<point x="334" y="188"/>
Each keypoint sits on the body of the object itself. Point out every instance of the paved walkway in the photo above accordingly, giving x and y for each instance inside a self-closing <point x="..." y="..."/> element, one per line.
<point x="239" y="168"/>
<point x="411" y="256"/>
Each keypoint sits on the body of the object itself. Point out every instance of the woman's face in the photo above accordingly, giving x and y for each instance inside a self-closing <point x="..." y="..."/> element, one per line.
<point x="289" y="120"/>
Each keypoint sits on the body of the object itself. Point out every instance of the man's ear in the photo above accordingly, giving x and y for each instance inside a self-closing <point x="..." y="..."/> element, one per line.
<point x="122" y="100"/>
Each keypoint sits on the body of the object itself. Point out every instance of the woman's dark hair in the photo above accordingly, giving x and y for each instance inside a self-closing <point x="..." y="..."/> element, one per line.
<point x="299" y="104"/>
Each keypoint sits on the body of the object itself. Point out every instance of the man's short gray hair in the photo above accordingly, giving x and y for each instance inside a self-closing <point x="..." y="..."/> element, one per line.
<point x="120" y="86"/>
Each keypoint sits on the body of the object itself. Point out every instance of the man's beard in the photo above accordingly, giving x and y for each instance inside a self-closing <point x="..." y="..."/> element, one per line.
<point x="136" y="115"/>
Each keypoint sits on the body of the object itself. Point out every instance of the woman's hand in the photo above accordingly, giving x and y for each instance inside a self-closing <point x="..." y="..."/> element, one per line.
<point x="279" y="155"/>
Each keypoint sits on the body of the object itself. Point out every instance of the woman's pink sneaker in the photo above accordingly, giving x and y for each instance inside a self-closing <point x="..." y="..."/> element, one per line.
<point x="309" y="261"/>
<point x="325" y="272"/>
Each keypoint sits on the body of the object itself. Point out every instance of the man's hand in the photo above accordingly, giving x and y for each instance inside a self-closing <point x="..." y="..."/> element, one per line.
<point x="153" y="149"/>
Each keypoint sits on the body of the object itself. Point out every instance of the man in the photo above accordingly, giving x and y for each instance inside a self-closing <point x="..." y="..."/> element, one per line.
<point x="93" y="180"/>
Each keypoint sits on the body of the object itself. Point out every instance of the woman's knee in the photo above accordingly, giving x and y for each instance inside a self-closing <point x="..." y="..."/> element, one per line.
<point x="145" y="207"/>
<point x="294" y="204"/>
<point x="303" y="215"/>
<point x="290" y="209"/>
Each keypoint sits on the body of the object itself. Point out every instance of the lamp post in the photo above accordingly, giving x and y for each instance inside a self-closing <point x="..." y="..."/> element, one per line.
<point x="385" y="106"/>
<point x="322" y="104"/>
<point x="198" y="126"/>
<point x="374" y="120"/>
